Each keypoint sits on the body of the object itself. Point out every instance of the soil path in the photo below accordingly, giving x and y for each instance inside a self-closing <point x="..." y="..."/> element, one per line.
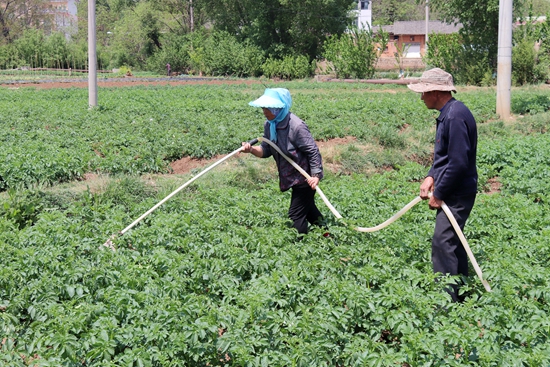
<point x="125" y="82"/>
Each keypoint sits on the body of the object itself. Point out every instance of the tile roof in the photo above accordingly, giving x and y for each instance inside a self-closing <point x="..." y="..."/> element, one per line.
<point x="418" y="27"/>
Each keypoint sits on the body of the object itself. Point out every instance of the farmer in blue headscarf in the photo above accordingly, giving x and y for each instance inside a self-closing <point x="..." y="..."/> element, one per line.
<point x="293" y="137"/>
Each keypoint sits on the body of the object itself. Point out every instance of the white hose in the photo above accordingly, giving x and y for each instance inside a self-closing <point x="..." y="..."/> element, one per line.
<point x="109" y="243"/>
<point x="396" y="216"/>
<point x="465" y="244"/>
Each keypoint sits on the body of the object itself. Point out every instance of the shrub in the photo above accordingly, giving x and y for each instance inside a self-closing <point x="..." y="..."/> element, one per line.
<point x="354" y="54"/>
<point x="175" y="51"/>
<point x="526" y="66"/>
<point x="224" y="55"/>
<point x="532" y="104"/>
<point x="290" y="67"/>
<point x="467" y="64"/>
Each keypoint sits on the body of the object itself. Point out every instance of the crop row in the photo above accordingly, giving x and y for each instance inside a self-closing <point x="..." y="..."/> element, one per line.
<point x="51" y="136"/>
<point x="216" y="276"/>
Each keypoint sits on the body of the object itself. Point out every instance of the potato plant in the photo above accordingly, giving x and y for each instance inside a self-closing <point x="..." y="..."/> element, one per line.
<point x="217" y="277"/>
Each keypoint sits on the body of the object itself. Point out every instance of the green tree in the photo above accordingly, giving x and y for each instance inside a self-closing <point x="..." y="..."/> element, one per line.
<point x="181" y="16"/>
<point x="56" y="51"/>
<point x="540" y="7"/>
<point x="31" y="47"/>
<point x="354" y="54"/>
<point x="480" y="20"/>
<point x="530" y="56"/>
<point x="386" y="12"/>
<point x="283" y="27"/>
<point x="18" y="15"/>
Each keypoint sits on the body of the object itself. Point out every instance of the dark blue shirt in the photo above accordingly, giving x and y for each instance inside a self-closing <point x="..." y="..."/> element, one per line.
<point x="454" y="166"/>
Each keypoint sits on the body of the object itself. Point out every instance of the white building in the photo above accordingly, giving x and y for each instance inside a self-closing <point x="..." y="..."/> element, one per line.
<point x="364" y="18"/>
<point x="64" y="12"/>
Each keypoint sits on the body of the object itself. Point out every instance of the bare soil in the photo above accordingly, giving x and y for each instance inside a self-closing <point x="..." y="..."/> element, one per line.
<point x="130" y="82"/>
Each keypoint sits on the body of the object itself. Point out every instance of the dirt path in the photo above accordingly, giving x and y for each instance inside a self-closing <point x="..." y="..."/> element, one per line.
<point x="125" y="82"/>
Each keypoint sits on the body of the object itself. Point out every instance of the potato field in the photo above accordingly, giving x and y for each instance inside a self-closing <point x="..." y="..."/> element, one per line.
<point x="216" y="275"/>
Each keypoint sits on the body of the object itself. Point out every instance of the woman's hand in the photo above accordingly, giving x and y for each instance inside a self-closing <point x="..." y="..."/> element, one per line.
<point x="246" y="147"/>
<point x="313" y="182"/>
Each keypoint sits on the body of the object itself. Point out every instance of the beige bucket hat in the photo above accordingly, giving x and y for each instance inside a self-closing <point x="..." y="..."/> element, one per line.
<point x="433" y="79"/>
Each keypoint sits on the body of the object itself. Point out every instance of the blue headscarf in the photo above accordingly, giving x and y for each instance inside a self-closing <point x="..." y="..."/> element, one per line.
<point x="272" y="98"/>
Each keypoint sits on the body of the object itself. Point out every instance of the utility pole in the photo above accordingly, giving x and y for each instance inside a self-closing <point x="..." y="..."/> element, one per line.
<point x="92" y="56"/>
<point x="427" y="27"/>
<point x="504" y="68"/>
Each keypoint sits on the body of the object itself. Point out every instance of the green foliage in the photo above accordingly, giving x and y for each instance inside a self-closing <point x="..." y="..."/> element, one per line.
<point x="216" y="277"/>
<point x="354" y="54"/>
<point x="290" y="67"/>
<point x="480" y="21"/>
<point x="443" y="51"/>
<point x="524" y="64"/>
<point x="136" y="37"/>
<point x="533" y="104"/>
<point x="30" y="48"/>
<point x="21" y="207"/>
<point x="385" y="12"/>
<point x="174" y="51"/>
<point x="141" y="130"/>
<point x="224" y="55"/>
<point x="216" y="274"/>
<point x="9" y="58"/>
<point x="521" y="162"/>
<point x="530" y="59"/>
<point x="468" y="66"/>
<point x="282" y="27"/>
<point x="123" y="71"/>
<point x="127" y="191"/>
<point x="478" y="37"/>
<point x="57" y="52"/>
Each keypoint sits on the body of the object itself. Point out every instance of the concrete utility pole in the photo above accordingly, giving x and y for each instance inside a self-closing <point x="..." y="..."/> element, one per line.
<point x="504" y="68"/>
<point x="427" y="23"/>
<point x="92" y="57"/>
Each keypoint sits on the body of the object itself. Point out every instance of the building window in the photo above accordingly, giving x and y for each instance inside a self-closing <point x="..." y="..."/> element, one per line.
<point x="365" y="4"/>
<point x="412" y="38"/>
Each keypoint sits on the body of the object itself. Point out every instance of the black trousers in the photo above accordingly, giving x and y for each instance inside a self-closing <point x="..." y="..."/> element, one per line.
<point x="303" y="209"/>
<point x="448" y="254"/>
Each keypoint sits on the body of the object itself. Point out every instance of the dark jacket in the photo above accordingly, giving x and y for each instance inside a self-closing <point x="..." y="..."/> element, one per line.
<point x="454" y="166"/>
<point x="296" y="142"/>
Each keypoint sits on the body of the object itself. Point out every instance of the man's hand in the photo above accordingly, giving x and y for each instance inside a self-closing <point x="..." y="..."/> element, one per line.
<point x="427" y="187"/>
<point x="434" y="202"/>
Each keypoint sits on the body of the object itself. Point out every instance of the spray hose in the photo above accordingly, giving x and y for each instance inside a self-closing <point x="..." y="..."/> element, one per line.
<point x="392" y="219"/>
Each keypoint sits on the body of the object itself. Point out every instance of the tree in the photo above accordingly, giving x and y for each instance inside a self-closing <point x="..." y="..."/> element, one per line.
<point x="480" y="20"/>
<point x="182" y="16"/>
<point x="136" y="36"/>
<point x="18" y="15"/>
<point x="355" y="53"/>
<point x="283" y="27"/>
<point x="540" y="7"/>
<point x="386" y="12"/>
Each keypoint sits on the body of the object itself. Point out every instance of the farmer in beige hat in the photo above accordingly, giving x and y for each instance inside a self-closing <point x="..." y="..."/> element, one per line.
<point x="452" y="177"/>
